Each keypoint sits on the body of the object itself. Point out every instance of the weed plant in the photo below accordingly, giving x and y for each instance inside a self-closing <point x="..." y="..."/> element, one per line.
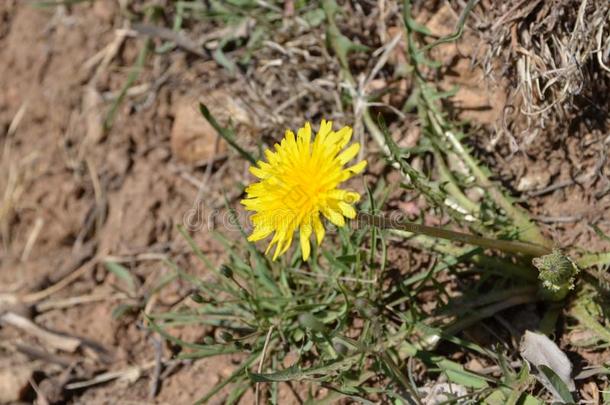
<point x="363" y="327"/>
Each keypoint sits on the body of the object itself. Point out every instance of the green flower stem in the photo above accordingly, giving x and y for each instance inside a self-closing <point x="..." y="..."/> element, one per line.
<point x="549" y="320"/>
<point x="498" y="264"/>
<point x="507" y="246"/>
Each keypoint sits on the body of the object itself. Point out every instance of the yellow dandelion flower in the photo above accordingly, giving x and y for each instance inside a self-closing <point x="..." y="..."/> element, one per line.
<point x="299" y="182"/>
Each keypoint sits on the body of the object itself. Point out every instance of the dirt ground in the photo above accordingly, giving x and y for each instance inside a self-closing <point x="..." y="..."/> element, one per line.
<point x="76" y="196"/>
<point x="80" y="195"/>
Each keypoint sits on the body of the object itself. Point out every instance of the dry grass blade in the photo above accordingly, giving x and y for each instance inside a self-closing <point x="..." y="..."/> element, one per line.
<point x="61" y="284"/>
<point x="12" y="128"/>
<point x="54" y="340"/>
<point x="169" y="35"/>
<point x="13" y="174"/>
<point x="70" y="302"/>
<point x="559" y="53"/>
<point x="29" y="245"/>
<point x="130" y="374"/>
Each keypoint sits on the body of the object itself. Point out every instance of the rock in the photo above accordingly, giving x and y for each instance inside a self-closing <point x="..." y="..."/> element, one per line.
<point x="193" y="139"/>
<point x="15" y="384"/>
<point x="92" y="105"/>
<point x="53" y="389"/>
<point x="536" y="178"/>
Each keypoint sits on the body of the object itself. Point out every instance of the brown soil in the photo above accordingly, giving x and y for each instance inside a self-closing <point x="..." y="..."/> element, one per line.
<point x="76" y="195"/>
<point x="78" y="189"/>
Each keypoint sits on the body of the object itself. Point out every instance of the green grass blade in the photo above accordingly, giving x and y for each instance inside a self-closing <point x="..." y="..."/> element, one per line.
<point x="227" y="134"/>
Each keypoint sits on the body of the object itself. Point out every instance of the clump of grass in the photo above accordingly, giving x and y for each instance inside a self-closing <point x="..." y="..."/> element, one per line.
<point x="352" y="321"/>
<point x="557" y="56"/>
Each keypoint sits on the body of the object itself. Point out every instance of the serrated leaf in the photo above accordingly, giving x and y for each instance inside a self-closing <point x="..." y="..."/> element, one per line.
<point x="295" y="373"/>
<point x="288" y="374"/>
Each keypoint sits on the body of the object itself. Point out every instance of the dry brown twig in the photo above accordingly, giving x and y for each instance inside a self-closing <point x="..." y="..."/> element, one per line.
<point x="54" y="340"/>
<point x="129" y="374"/>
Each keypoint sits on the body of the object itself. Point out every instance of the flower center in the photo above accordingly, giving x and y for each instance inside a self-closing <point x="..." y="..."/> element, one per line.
<point x="302" y="195"/>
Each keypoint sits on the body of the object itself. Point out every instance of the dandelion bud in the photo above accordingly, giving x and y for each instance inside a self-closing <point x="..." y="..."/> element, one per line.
<point x="226" y="271"/>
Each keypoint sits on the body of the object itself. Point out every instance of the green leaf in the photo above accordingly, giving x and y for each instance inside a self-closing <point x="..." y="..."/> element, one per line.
<point x="225" y="133"/>
<point x="122" y="273"/>
<point x="600" y="233"/>
<point x="411" y="24"/>
<point x="459" y="27"/>
<point x="295" y="373"/>
<point x="557" y="383"/>
<point x="154" y="326"/>
<point x="314" y="17"/>
<point x="309" y="321"/>
<point x="335" y="40"/>
<point x="516" y="397"/>
<point x="137" y="68"/>
<point x="497" y="397"/>
<point x="606" y="397"/>
<point x="55" y="3"/>
<point x="530" y="400"/>
<point x="242" y="3"/>
<point x="457" y="374"/>
<point x="288" y="374"/>
<point x="198" y="252"/>
<point x="221" y="58"/>
<point x="121" y="310"/>
<point x="348" y="259"/>
<point x="236" y="394"/>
